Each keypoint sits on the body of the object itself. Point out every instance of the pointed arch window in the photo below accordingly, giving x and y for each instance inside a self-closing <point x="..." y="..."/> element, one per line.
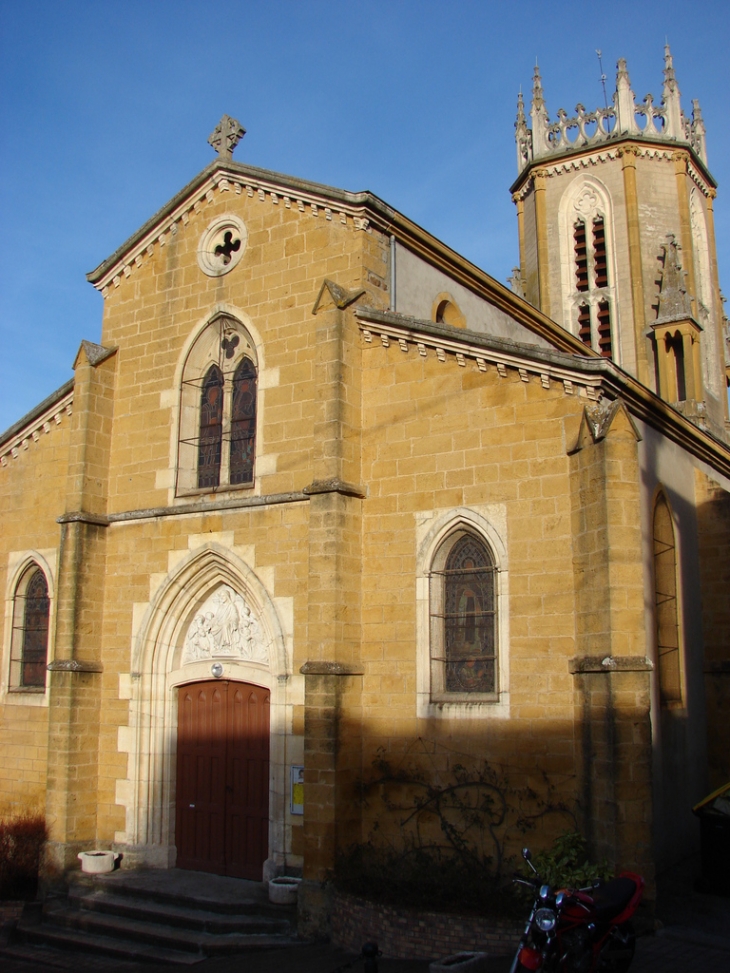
<point x="581" y="256"/>
<point x="593" y="319"/>
<point x="31" y="619"/>
<point x="218" y="410"/>
<point x="464" y="649"/>
<point x="666" y="605"/>
<point x="211" y="429"/>
<point x="675" y="353"/>
<point x="588" y="266"/>
<point x="243" y="423"/>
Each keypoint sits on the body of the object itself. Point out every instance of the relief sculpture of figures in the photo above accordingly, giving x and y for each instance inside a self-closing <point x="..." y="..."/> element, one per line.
<point x="225" y="626"/>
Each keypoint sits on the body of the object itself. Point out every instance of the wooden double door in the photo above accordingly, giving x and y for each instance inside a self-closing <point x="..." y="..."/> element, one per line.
<point x="222" y="798"/>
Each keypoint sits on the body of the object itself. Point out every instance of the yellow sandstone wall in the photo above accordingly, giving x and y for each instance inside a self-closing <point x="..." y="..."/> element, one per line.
<point x="32" y="486"/>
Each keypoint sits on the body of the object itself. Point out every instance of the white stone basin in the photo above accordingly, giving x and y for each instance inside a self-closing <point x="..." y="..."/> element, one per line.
<point x="96" y="862"/>
<point x="283" y="890"/>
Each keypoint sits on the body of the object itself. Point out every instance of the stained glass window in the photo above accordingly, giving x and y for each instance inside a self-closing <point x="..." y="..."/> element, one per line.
<point x="243" y="423"/>
<point x="469" y="619"/>
<point x="211" y="429"/>
<point x="35" y="632"/>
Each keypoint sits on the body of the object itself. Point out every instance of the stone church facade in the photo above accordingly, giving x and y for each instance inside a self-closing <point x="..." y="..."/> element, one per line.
<point x="327" y="491"/>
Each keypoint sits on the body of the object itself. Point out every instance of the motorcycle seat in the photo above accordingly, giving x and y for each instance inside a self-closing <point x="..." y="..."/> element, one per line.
<point x="612" y="898"/>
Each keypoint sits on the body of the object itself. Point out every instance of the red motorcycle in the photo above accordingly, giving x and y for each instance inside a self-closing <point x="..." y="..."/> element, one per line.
<point x="579" y="930"/>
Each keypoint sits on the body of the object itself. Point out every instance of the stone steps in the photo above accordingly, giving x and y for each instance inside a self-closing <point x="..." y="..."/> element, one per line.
<point x="173" y="914"/>
<point x="176" y="918"/>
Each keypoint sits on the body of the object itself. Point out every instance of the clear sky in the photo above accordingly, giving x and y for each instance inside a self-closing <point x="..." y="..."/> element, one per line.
<point x="106" y="106"/>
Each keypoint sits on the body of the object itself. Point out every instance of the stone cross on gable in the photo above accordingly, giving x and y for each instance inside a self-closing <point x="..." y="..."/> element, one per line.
<point x="226" y="136"/>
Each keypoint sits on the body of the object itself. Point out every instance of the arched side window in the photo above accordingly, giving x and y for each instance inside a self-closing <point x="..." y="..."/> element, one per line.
<point x="243" y="423"/>
<point x="678" y="382"/>
<point x="463" y="610"/>
<point x="588" y="273"/>
<point x="593" y="313"/>
<point x="211" y="429"/>
<point x="218" y="410"/>
<point x="31" y="617"/>
<point x="666" y="605"/>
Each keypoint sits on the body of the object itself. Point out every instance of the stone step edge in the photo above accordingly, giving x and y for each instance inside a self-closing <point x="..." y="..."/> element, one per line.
<point x="43" y="956"/>
<point x="159" y="934"/>
<point x="62" y="938"/>
<point x="109" y="903"/>
<point x="224" y="906"/>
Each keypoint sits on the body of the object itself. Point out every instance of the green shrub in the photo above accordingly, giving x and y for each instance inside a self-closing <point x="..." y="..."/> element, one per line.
<point x="21" y="845"/>
<point x="566" y="865"/>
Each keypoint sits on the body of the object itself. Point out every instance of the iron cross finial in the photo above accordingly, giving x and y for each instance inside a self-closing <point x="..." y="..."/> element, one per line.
<point x="226" y="136"/>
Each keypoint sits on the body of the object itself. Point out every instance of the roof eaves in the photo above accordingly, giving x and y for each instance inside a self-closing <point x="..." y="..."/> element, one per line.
<point x="600" y="375"/>
<point x="546" y="161"/>
<point x="30" y="417"/>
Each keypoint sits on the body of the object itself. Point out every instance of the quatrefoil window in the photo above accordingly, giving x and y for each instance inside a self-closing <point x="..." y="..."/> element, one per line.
<point x="222" y="245"/>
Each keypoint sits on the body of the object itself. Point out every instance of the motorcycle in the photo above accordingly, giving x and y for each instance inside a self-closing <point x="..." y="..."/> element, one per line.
<point x="585" y="930"/>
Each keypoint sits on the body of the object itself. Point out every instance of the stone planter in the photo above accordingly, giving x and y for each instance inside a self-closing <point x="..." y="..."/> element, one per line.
<point x="284" y="890"/>
<point x="98" y="862"/>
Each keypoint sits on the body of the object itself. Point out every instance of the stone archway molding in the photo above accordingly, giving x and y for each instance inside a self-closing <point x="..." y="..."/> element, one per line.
<point x="158" y="668"/>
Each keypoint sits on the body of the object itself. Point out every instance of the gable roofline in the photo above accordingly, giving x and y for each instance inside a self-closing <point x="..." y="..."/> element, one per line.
<point x="365" y="209"/>
<point x="39" y="420"/>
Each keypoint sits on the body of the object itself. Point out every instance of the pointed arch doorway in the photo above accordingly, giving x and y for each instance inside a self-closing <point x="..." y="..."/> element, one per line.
<point x="222" y="795"/>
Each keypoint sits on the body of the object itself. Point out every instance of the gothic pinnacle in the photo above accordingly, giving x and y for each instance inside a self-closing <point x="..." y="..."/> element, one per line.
<point x="669" y="75"/>
<point x="538" y="102"/>
<point x="521" y="119"/>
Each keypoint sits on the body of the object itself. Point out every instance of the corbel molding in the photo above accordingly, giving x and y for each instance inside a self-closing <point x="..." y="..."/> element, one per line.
<point x="331" y="669"/>
<point x="74" y="665"/>
<point x="335" y="485"/>
<point x="580" y="665"/>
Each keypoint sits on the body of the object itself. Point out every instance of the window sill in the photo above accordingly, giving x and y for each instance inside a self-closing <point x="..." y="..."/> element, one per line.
<point x="444" y="699"/>
<point x="25" y="696"/>
<point x="214" y="491"/>
<point x="464" y="706"/>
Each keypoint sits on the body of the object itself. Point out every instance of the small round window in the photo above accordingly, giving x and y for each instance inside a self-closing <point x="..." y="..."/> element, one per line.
<point x="222" y="245"/>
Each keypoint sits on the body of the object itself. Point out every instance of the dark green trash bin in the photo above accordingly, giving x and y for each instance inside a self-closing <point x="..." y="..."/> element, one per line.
<point x="714" y="815"/>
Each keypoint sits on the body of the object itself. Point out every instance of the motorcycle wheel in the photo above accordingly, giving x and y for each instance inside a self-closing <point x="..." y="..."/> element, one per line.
<point x="616" y="956"/>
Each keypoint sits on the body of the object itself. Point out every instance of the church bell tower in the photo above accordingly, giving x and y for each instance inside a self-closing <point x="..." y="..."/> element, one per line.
<point x="617" y="239"/>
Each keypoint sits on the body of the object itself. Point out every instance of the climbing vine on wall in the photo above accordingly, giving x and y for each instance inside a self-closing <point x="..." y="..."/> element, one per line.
<point x="443" y="830"/>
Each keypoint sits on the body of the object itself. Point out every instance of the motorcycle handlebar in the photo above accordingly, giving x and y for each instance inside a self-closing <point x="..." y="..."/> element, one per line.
<point x="530" y="883"/>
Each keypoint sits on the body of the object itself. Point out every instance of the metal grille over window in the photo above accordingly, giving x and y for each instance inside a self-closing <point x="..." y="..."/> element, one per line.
<point x="219" y="410"/>
<point x="211" y="429"/>
<point x="243" y="423"/>
<point x="30" y="635"/>
<point x="665" y="602"/>
<point x="469" y="619"/>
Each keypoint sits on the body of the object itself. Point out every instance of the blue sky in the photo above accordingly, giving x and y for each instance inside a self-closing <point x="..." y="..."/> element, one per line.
<point x="106" y="106"/>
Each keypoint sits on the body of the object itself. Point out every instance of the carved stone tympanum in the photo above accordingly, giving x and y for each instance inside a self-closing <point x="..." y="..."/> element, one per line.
<point x="225" y="627"/>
